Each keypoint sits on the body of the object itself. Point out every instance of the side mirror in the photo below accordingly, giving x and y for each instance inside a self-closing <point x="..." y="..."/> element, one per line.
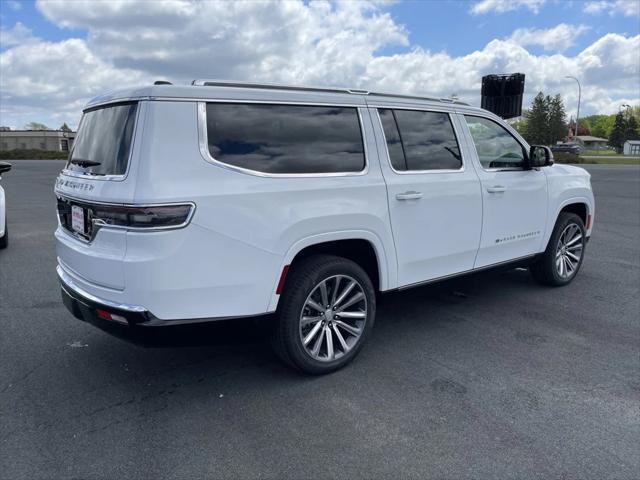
<point x="540" y="156"/>
<point x="4" y="167"/>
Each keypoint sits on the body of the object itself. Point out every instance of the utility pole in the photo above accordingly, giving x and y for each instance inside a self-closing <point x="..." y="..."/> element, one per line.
<point x="578" y="113"/>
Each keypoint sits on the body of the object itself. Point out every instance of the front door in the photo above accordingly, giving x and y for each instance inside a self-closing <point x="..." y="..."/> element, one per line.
<point x="434" y="195"/>
<point x="514" y="198"/>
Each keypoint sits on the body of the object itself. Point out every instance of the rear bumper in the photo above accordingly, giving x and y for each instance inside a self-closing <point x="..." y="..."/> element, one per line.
<point x="123" y="321"/>
<point x="80" y="302"/>
<point x="132" y="322"/>
<point x="190" y="273"/>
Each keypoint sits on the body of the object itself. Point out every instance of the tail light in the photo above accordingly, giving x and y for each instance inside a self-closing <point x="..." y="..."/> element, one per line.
<point x="126" y="217"/>
<point x="144" y="217"/>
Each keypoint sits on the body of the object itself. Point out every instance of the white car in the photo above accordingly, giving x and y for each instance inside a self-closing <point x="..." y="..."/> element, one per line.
<point x="223" y="200"/>
<point x="4" y="231"/>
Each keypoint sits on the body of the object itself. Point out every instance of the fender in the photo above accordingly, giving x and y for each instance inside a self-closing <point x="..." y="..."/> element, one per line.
<point x="556" y="212"/>
<point x="387" y="270"/>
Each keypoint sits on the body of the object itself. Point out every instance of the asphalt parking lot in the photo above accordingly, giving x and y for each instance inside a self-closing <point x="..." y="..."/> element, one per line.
<point x="488" y="376"/>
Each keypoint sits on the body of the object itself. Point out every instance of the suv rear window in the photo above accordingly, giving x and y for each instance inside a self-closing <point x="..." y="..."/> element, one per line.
<point x="285" y="139"/>
<point x="105" y="136"/>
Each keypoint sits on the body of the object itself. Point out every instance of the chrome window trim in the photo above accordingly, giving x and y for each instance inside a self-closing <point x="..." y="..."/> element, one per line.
<point x="203" y="142"/>
<point x="100" y="225"/>
<point x="120" y="177"/>
<point x="473" y="142"/>
<point x="435" y="107"/>
<point x="68" y="283"/>
<point x="221" y="100"/>
<point x="412" y="106"/>
<point x="419" y="172"/>
<point x="301" y="103"/>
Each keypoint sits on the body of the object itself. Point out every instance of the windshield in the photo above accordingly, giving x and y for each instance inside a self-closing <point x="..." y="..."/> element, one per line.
<point x="104" y="140"/>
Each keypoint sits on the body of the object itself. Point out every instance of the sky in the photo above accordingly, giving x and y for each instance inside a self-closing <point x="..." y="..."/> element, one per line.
<point x="56" y="55"/>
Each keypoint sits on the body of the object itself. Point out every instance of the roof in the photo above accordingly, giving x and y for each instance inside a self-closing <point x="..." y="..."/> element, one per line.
<point x="589" y="138"/>
<point x="633" y="142"/>
<point x="246" y="91"/>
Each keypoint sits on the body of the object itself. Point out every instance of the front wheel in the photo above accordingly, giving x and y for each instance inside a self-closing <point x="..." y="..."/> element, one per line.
<point x="326" y="312"/>
<point x="563" y="257"/>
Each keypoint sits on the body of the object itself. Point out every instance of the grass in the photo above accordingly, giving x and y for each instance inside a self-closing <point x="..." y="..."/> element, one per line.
<point x="33" y="155"/>
<point x="617" y="161"/>
<point x="598" y="153"/>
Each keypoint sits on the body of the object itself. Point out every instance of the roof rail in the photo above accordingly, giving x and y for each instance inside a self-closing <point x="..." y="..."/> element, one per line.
<point x="273" y="86"/>
<point x="418" y="97"/>
<point x="352" y="91"/>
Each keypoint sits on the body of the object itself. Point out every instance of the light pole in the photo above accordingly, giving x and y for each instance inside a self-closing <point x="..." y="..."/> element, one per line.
<point x="578" y="112"/>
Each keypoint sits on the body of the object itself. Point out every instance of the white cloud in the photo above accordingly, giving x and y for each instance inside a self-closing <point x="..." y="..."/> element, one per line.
<point x="501" y="6"/>
<point x="50" y="82"/>
<point x="558" y="38"/>
<point x="628" y="8"/>
<point x="291" y="42"/>
<point x="17" y="35"/>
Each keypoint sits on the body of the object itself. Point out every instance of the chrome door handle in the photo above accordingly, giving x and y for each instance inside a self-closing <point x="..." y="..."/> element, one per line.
<point x="496" y="189"/>
<point x="411" y="195"/>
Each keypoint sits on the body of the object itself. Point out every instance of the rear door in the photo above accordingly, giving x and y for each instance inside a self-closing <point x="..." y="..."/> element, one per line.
<point x="514" y="198"/>
<point x="433" y="193"/>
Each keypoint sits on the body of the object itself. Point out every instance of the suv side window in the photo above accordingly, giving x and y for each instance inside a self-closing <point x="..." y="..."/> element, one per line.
<point x="419" y="140"/>
<point x="286" y="139"/>
<point x="496" y="147"/>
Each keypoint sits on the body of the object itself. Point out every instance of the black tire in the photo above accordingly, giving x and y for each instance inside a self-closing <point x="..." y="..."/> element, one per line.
<point x="302" y="280"/>
<point x="545" y="270"/>
<point x="4" y="240"/>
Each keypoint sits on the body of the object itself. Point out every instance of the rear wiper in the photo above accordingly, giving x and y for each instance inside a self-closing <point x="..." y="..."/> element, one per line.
<point x="84" y="163"/>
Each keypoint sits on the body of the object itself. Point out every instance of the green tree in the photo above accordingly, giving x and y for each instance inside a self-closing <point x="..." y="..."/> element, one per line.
<point x="631" y="129"/>
<point x="36" y="126"/>
<point x="520" y="124"/>
<point x="545" y="122"/>
<point x="616" y="137"/>
<point x="537" y="117"/>
<point x="65" y="127"/>
<point x="599" y="125"/>
<point x="557" y="120"/>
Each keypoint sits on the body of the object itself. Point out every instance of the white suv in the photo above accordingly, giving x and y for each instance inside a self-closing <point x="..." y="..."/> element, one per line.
<point x="222" y="200"/>
<point x="4" y="230"/>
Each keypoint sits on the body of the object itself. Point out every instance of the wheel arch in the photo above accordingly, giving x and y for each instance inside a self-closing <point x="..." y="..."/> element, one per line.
<point x="581" y="206"/>
<point x="363" y="247"/>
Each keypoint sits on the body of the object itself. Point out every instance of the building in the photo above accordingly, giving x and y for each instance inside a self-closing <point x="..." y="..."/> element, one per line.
<point x="631" y="147"/>
<point x="591" y="143"/>
<point x="36" y="140"/>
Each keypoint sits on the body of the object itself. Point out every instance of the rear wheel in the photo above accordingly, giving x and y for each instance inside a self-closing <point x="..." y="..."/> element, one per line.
<point x="326" y="311"/>
<point x="4" y="240"/>
<point x="563" y="257"/>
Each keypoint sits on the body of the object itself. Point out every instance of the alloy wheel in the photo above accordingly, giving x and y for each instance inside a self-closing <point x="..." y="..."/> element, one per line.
<point x="569" y="250"/>
<point x="333" y="318"/>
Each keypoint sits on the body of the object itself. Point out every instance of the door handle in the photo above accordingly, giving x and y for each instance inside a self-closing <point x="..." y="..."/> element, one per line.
<point x="411" y="195"/>
<point x="496" y="189"/>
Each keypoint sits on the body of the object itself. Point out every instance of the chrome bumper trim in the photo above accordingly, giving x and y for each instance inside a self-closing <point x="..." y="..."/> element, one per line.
<point x="69" y="284"/>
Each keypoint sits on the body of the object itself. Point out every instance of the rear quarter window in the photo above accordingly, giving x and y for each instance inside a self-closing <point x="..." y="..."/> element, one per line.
<point x="286" y="139"/>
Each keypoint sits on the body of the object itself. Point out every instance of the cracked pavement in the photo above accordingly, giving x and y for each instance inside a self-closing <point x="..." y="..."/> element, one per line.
<point x="488" y="376"/>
